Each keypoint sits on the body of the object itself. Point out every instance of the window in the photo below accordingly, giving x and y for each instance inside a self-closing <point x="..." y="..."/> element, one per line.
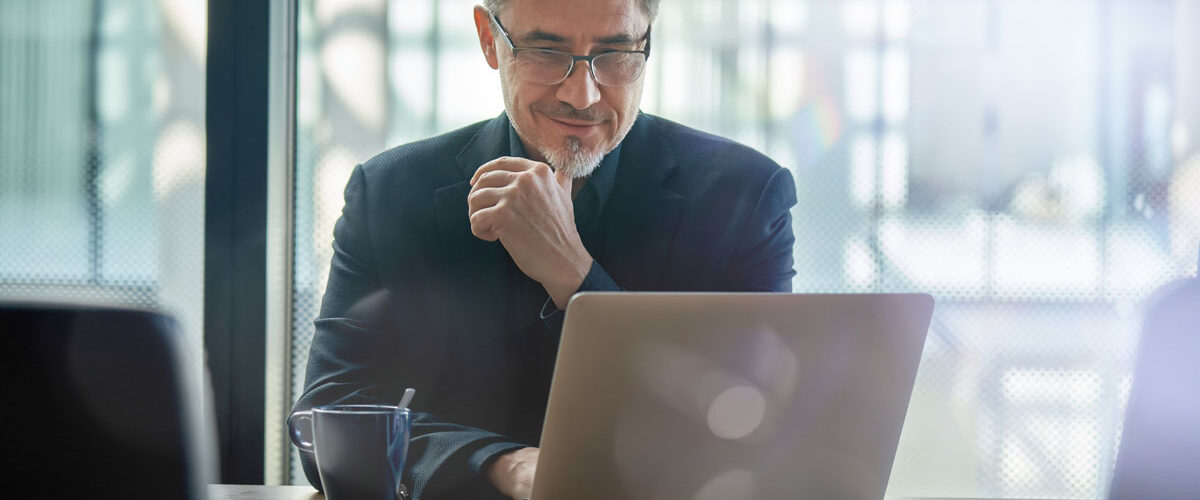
<point x="1023" y="161"/>
<point x="102" y="154"/>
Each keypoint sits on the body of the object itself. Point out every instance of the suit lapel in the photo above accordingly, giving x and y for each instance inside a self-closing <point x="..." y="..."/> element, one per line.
<point x="454" y="224"/>
<point x="642" y="213"/>
<point x="475" y="271"/>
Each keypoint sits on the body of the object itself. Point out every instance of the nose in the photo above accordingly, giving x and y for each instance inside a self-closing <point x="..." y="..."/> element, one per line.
<point x="579" y="90"/>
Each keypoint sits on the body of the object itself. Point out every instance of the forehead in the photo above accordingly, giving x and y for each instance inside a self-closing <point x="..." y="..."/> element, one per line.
<point x="577" y="18"/>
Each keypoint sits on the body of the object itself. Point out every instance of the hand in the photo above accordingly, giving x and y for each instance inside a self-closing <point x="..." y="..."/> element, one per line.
<point x="528" y="207"/>
<point x="513" y="472"/>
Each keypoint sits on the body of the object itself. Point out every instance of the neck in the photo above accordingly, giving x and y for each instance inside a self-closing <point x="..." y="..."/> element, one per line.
<point x="576" y="185"/>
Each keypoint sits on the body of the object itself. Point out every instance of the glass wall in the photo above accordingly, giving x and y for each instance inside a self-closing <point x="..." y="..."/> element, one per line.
<point x="102" y="154"/>
<point x="1031" y="164"/>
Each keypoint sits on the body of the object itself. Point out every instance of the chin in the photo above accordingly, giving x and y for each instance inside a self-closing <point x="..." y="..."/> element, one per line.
<point x="574" y="159"/>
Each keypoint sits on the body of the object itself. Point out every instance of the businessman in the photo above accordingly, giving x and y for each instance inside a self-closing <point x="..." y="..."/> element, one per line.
<point x="455" y="256"/>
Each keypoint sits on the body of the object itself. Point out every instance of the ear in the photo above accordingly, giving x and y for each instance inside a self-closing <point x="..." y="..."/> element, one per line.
<point x="487" y="42"/>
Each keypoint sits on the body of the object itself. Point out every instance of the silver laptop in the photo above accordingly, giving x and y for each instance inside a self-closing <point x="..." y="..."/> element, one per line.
<point x="729" y="396"/>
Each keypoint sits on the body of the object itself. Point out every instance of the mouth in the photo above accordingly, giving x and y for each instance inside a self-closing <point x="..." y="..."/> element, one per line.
<point x="574" y="127"/>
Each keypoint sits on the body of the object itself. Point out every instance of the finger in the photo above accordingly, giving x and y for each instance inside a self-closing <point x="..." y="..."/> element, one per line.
<point x="482" y="224"/>
<point x="494" y="178"/>
<point x="509" y="163"/>
<point x="480" y="198"/>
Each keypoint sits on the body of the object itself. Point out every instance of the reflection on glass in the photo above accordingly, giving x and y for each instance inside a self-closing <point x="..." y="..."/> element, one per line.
<point x="1032" y="164"/>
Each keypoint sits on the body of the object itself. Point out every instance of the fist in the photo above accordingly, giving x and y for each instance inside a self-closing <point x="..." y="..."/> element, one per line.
<point x="527" y="207"/>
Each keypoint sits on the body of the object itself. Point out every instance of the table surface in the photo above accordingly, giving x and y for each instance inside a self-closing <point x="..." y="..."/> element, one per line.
<point x="260" y="492"/>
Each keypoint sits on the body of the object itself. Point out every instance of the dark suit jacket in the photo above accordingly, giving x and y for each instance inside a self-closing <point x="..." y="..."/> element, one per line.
<point x="414" y="299"/>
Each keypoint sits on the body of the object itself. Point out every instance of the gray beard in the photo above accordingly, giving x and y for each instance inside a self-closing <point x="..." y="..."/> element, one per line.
<point x="573" y="159"/>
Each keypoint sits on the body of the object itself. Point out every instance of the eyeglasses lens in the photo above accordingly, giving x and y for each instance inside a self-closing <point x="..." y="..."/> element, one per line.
<point x="618" y="68"/>
<point x="547" y="67"/>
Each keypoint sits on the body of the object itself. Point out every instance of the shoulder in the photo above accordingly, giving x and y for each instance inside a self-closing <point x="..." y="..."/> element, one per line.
<point x="432" y="158"/>
<point x="701" y="155"/>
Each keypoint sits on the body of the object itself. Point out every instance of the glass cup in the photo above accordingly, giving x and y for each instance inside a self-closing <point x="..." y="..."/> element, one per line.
<point x="360" y="449"/>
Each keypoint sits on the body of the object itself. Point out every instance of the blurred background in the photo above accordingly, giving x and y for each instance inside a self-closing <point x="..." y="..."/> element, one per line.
<point x="102" y="154"/>
<point x="1033" y="164"/>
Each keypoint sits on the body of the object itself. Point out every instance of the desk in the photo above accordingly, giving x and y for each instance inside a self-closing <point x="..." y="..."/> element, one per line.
<point x="259" y="492"/>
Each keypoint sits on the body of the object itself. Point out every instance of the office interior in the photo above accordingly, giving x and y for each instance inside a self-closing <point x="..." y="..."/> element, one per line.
<point x="1034" y="165"/>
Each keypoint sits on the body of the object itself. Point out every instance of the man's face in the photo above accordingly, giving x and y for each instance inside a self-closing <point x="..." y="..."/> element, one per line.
<point x="573" y="124"/>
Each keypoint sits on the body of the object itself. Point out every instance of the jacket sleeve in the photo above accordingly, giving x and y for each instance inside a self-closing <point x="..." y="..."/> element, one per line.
<point x="596" y="280"/>
<point x="762" y="260"/>
<point x="358" y="356"/>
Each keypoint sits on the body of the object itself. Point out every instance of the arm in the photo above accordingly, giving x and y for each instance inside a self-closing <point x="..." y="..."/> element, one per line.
<point x="762" y="261"/>
<point x="513" y="470"/>
<point x="528" y="207"/>
<point x="361" y="354"/>
<point x="352" y="362"/>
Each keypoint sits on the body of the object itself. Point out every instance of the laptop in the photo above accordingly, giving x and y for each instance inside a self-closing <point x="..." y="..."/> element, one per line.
<point x="729" y="396"/>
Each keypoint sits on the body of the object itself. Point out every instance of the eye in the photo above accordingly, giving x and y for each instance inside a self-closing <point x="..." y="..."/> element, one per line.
<point x="610" y="50"/>
<point x="542" y="56"/>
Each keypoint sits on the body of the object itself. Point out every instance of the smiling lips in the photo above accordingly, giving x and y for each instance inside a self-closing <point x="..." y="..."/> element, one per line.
<point x="574" y="125"/>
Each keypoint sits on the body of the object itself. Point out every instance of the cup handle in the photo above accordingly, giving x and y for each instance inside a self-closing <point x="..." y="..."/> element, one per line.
<point x="294" y="422"/>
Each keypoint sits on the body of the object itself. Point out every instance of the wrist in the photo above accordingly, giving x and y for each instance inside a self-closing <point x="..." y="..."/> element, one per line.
<point x="512" y="472"/>
<point x="561" y="291"/>
<point x="500" y="470"/>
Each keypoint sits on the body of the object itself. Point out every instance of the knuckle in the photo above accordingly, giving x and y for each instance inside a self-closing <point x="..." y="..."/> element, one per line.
<point x="474" y="200"/>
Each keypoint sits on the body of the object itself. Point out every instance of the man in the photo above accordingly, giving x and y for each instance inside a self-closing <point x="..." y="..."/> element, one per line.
<point x="455" y="256"/>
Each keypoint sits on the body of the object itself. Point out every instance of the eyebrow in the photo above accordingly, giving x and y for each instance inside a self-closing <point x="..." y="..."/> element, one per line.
<point x="616" y="39"/>
<point x="542" y="36"/>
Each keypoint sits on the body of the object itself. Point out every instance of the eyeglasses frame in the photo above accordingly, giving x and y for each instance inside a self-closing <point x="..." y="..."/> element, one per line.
<point x="504" y="35"/>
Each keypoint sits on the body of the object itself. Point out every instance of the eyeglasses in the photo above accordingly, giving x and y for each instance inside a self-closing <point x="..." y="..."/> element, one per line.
<point x="550" y="67"/>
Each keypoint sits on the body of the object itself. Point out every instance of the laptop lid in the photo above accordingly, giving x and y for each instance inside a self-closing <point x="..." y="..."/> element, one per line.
<point x="729" y="396"/>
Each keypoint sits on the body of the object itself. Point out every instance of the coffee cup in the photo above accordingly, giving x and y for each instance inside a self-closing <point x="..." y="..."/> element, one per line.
<point x="360" y="450"/>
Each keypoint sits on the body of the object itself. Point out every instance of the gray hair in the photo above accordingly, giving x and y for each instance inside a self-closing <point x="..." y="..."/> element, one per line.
<point x="649" y="7"/>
